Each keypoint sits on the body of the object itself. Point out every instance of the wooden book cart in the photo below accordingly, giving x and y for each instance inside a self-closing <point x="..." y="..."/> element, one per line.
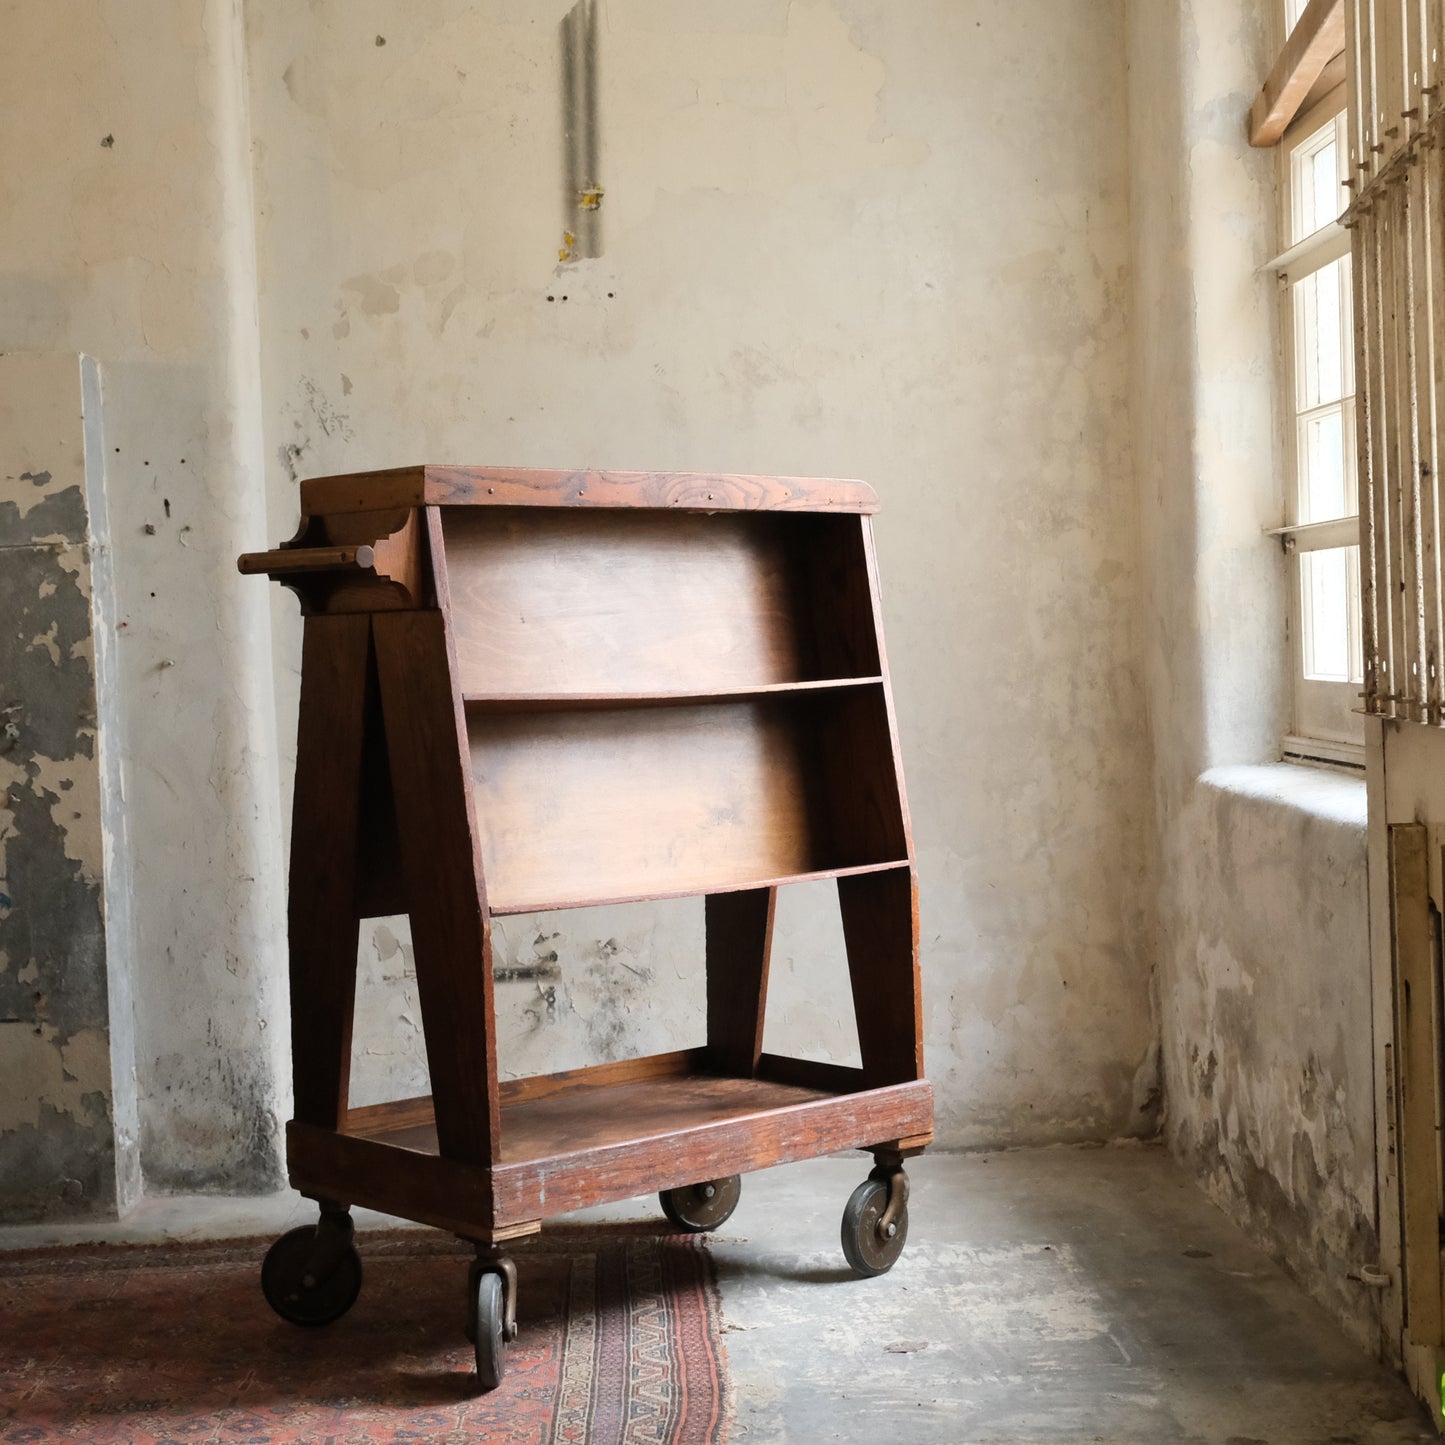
<point x="526" y="690"/>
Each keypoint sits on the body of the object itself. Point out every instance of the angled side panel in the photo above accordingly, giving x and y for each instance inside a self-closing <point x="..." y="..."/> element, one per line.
<point x="321" y="913"/>
<point x="441" y="864"/>
<point x="870" y="555"/>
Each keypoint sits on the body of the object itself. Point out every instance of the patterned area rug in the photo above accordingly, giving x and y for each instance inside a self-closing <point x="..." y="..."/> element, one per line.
<point x="173" y="1344"/>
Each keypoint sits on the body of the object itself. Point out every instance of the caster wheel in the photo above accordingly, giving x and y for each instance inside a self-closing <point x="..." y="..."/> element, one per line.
<point x="868" y="1251"/>
<point x="296" y="1291"/>
<point x="697" y="1208"/>
<point x="489" y="1331"/>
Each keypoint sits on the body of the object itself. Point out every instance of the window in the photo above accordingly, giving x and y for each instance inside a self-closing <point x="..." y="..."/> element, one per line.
<point x="1293" y="9"/>
<point x="1321" y="534"/>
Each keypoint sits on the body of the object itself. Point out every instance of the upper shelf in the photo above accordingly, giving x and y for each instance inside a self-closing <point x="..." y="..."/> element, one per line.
<point x="547" y="601"/>
<point x="449" y="486"/>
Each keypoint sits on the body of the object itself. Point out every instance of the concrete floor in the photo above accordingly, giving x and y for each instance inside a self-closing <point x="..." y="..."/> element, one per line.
<point x="1045" y="1295"/>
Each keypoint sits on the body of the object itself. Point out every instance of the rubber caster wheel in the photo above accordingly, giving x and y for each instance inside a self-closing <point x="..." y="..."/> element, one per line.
<point x="489" y="1331"/>
<point x="305" y="1287"/>
<point x="698" y="1208"/>
<point x="869" y="1250"/>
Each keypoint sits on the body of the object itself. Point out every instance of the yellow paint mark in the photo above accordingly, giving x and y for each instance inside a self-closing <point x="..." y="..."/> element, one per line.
<point x="590" y="199"/>
<point x="568" y="251"/>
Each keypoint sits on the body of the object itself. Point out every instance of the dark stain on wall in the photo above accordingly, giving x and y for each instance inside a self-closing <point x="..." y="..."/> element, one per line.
<point x="52" y="932"/>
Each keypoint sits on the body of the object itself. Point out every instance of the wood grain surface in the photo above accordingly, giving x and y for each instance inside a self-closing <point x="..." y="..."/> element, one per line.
<point x="553" y="602"/>
<point x="322" y="925"/>
<point x="619" y="803"/>
<point x="536" y="487"/>
<point x="579" y="1147"/>
<point x="444" y="883"/>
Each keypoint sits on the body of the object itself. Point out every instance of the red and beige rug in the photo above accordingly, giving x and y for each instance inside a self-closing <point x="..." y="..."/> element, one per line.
<point x="173" y="1344"/>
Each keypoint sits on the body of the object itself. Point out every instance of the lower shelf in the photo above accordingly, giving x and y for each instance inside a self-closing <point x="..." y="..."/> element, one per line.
<point x="597" y="1135"/>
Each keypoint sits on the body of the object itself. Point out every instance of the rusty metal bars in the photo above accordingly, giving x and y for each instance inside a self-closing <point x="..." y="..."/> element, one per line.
<point x="1397" y="174"/>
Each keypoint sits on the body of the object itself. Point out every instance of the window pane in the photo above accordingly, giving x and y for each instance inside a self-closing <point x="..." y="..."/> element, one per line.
<point x="1317" y="193"/>
<point x="1321" y="329"/>
<point x="1317" y="188"/>
<point x="1325" y="613"/>
<point x="1357" y="633"/>
<point x="1323" y="473"/>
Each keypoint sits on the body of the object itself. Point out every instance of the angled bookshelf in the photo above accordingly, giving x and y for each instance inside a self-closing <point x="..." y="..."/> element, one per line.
<point x="526" y="690"/>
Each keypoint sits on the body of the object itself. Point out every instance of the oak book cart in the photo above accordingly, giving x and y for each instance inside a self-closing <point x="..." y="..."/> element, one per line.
<point x="526" y="690"/>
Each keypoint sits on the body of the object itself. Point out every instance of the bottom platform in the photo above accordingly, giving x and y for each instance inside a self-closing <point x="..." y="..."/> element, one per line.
<point x="591" y="1136"/>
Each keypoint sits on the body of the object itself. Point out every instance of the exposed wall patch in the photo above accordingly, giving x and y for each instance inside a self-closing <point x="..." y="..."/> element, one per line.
<point x="581" y="140"/>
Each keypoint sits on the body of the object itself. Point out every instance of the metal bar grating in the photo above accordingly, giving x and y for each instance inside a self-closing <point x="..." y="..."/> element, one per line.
<point x="1397" y="175"/>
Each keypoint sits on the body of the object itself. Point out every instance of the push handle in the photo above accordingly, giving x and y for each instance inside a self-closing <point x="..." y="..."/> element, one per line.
<point x="286" y="561"/>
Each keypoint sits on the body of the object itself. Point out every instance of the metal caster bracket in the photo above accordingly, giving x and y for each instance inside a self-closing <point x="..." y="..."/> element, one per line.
<point x="490" y="1260"/>
<point x="896" y="1179"/>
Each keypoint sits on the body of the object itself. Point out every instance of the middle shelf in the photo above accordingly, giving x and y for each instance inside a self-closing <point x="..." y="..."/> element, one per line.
<point x="623" y="800"/>
<point x="583" y="701"/>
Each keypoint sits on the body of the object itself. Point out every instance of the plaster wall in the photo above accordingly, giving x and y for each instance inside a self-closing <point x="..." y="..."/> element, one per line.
<point x="127" y="233"/>
<point x="1265" y="991"/>
<point x="68" y="1126"/>
<point x="821" y="247"/>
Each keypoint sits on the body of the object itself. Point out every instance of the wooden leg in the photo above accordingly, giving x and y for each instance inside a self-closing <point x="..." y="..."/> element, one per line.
<point x="739" y="942"/>
<point x="441" y="861"/>
<point x="321" y="915"/>
<point x="880" y="927"/>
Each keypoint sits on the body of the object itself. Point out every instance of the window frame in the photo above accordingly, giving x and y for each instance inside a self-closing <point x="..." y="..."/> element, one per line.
<point x="1326" y="720"/>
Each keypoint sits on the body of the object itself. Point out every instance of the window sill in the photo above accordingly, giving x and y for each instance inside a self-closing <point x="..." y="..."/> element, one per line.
<point x="1322" y="793"/>
<point x="1316" y="753"/>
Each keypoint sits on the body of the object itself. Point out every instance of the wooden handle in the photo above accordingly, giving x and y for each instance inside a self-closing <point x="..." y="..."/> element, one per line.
<point x="287" y="560"/>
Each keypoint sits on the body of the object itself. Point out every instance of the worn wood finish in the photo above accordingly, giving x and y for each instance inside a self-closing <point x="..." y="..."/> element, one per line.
<point x="322" y="916"/>
<point x="641" y="1138"/>
<point x="880" y="927"/>
<point x="358" y="562"/>
<point x="739" y="941"/>
<point x="442" y="864"/>
<point x="580" y="1147"/>
<point x="1317" y="38"/>
<point x="451" y="486"/>
<point x="1417" y="967"/>
<point x="606" y="804"/>
<point x="372" y="1174"/>
<point x="626" y="601"/>
<point x="282" y="561"/>
<point x="562" y="705"/>
<point x="395" y="1118"/>
<point x="397" y="560"/>
<point x="603" y="804"/>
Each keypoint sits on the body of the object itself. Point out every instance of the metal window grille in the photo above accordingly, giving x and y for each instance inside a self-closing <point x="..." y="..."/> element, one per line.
<point x="1397" y="176"/>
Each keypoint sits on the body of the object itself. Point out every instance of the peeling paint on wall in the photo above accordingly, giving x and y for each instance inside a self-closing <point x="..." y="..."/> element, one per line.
<point x="1271" y="1088"/>
<point x="59" y="1152"/>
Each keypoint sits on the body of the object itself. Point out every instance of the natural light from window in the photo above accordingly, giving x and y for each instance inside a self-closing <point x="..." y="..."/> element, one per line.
<point x="1324" y="387"/>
